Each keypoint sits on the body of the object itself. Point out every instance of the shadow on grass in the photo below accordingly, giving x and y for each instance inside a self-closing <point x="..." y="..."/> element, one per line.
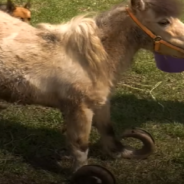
<point x="39" y="147"/>
<point x="128" y="111"/>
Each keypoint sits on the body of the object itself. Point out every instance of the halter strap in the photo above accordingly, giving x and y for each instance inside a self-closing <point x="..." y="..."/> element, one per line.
<point x="157" y="39"/>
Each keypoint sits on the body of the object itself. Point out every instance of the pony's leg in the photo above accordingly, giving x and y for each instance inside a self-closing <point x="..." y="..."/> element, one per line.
<point x="102" y="122"/>
<point x="78" y="127"/>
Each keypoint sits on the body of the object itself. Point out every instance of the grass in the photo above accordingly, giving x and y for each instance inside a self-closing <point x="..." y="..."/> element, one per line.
<point x="30" y="137"/>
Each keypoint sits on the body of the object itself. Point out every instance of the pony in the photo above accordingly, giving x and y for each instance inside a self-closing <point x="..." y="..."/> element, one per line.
<point x="20" y="12"/>
<point x="75" y="66"/>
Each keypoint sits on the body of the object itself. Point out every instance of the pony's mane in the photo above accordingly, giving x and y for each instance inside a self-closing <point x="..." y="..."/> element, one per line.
<point x="106" y="15"/>
<point x="80" y="34"/>
<point x="172" y="8"/>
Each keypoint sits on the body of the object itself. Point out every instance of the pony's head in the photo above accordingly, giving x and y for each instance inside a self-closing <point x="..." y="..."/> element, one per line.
<point x="161" y="18"/>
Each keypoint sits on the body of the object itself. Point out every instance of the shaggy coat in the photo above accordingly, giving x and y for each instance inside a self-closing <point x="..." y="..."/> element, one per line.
<point x="74" y="66"/>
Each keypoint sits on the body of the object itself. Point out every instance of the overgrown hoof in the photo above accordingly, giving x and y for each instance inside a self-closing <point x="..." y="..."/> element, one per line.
<point x="93" y="174"/>
<point x="147" y="140"/>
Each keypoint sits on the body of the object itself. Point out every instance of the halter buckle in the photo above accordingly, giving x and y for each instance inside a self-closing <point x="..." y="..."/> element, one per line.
<point x="157" y="38"/>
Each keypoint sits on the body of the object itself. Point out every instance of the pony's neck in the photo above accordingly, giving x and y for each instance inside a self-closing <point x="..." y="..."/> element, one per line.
<point x="121" y="39"/>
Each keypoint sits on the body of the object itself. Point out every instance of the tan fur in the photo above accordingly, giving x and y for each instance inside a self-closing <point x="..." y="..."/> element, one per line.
<point x="80" y="34"/>
<point x="73" y="67"/>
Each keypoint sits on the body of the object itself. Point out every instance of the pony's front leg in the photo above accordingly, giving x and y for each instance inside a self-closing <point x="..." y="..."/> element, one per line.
<point x="102" y="121"/>
<point x="78" y="127"/>
<point x="112" y="145"/>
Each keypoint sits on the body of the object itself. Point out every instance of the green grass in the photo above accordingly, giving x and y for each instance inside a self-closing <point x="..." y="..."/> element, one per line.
<point x="30" y="137"/>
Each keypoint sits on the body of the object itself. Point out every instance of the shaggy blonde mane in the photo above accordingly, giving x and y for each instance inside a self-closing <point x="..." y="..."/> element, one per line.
<point x="80" y="36"/>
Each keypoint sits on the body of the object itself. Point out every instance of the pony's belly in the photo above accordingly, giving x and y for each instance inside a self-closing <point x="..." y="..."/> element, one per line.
<point x="15" y="88"/>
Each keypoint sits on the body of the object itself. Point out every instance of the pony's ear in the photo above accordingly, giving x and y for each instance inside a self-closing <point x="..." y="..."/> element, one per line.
<point x="10" y="6"/>
<point x="27" y="5"/>
<point x="138" y="5"/>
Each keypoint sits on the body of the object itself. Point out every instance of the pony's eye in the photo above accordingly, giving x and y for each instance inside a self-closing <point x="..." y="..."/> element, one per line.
<point x="163" y="22"/>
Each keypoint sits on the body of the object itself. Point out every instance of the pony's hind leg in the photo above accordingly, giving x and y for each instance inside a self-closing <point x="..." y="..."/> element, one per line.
<point x="78" y="127"/>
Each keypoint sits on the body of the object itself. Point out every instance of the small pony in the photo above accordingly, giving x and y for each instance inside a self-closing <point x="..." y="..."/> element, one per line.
<point x="21" y="12"/>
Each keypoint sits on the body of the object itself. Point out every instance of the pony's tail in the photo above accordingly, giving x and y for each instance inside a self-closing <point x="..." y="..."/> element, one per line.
<point x="82" y="36"/>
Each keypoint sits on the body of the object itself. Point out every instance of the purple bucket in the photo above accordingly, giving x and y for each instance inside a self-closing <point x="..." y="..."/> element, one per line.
<point x="168" y="63"/>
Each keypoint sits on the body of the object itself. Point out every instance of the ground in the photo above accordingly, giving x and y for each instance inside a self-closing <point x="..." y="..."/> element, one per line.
<point x="30" y="137"/>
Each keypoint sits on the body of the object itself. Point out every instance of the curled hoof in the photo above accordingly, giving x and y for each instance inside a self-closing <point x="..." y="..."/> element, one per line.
<point x="93" y="174"/>
<point x="147" y="140"/>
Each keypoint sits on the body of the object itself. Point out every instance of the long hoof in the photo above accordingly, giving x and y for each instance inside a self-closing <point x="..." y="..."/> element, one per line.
<point x="93" y="174"/>
<point x="147" y="140"/>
